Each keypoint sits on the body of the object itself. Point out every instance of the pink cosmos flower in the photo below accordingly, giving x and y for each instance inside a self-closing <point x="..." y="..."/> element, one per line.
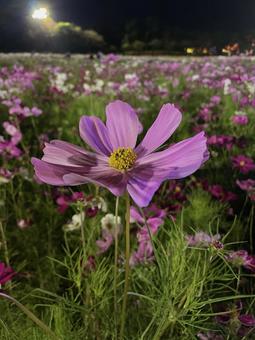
<point x="154" y="219"/>
<point x="243" y="164"/>
<point x="242" y="258"/>
<point x="64" y="201"/>
<point x="13" y="132"/>
<point x="209" y="336"/>
<point x="246" y="185"/>
<point x="5" y="175"/>
<point x="243" y="323"/>
<point x="249" y="186"/>
<point x="6" y="273"/>
<point x="218" y="192"/>
<point x="9" y="149"/>
<point x="117" y="163"/>
<point x="202" y="239"/>
<point x="239" y="119"/>
<point x="221" y="141"/>
<point x="106" y="241"/>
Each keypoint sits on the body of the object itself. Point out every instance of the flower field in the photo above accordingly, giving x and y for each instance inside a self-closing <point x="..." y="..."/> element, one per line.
<point x="138" y="229"/>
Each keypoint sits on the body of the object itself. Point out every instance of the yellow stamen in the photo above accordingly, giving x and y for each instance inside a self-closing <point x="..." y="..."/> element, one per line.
<point x="122" y="159"/>
<point x="177" y="189"/>
<point x="242" y="163"/>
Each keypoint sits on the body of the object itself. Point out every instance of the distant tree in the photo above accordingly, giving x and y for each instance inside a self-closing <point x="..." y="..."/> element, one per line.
<point x="65" y="36"/>
<point x="138" y="46"/>
<point x="155" y="44"/>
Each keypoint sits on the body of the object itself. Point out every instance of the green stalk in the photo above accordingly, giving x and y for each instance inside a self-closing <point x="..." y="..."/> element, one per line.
<point x="116" y="267"/>
<point x="6" y="255"/>
<point x="124" y="305"/>
<point x="83" y="240"/>
<point x="31" y="316"/>
<point x="251" y="227"/>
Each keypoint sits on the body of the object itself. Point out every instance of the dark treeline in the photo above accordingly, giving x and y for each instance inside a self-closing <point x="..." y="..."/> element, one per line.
<point x="19" y="33"/>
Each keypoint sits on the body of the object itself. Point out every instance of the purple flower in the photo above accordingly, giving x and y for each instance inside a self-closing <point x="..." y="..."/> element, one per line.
<point x="242" y="258"/>
<point x="209" y="336"/>
<point x="35" y="111"/>
<point x="153" y="215"/>
<point x="249" y="186"/>
<point x="246" y="185"/>
<point x="243" y="164"/>
<point x="109" y="226"/>
<point x="202" y="239"/>
<point x="218" y="192"/>
<point x="64" y="201"/>
<point x="118" y="164"/>
<point x="144" y="253"/>
<point x="106" y="241"/>
<point x="234" y="319"/>
<point x="5" y="175"/>
<point x="221" y="140"/>
<point x="239" y="119"/>
<point x="13" y="132"/>
<point x="9" y="149"/>
<point x="215" y="100"/>
<point x="6" y="273"/>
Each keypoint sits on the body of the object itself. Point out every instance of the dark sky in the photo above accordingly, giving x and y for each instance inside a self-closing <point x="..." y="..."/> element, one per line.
<point x="110" y="16"/>
<point x="188" y="14"/>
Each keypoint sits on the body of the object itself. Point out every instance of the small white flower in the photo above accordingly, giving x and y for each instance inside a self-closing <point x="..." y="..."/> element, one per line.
<point x="108" y="222"/>
<point x="251" y="88"/>
<point x="226" y="86"/>
<point x="4" y="180"/>
<point x="240" y="113"/>
<point x="76" y="222"/>
<point x="195" y="77"/>
<point x="102" y="204"/>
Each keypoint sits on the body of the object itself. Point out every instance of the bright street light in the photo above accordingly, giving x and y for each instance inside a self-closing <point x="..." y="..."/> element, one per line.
<point x="40" y="13"/>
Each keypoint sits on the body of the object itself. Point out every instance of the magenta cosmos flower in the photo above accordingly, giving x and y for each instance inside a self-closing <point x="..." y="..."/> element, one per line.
<point x="6" y="273"/>
<point x="117" y="163"/>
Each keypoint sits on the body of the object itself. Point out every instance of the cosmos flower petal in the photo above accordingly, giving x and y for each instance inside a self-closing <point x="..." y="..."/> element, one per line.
<point x="161" y="130"/>
<point x="179" y="160"/>
<point x="122" y="124"/>
<point x="94" y="133"/>
<point x="112" y="180"/>
<point x="247" y="320"/>
<point x="49" y="173"/>
<point x="135" y="216"/>
<point x="6" y="273"/>
<point x="66" y="154"/>
<point x="142" y="186"/>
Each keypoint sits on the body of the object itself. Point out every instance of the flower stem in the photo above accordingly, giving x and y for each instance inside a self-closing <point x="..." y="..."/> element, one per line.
<point x="116" y="266"/>
<point x="83" y="240"/>
<point x="31" y="316"/>
<point x="6" y="255"/>
<point x="238" y="279"/>
<point x="124" y="305"/>
<point x="251" y="228"/>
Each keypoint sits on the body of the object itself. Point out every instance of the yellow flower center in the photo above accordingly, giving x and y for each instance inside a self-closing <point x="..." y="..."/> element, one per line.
<point x="242" y="163"/>
<point x="122" y="159"/>
<point x="177" y="189"/>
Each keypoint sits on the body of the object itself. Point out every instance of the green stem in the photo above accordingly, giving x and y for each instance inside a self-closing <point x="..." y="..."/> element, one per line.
<point x="251" y="228"/>
<point x="83" y="240"/>
<point x="238" y="279"/>
<point x="124" y="305"/>
<point x="116" y="266"/>
<point x="31" y="316"/>
<point x="6" y="255"/>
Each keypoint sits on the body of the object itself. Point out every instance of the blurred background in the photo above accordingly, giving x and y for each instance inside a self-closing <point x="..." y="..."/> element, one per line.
<point x="147" y="27"/>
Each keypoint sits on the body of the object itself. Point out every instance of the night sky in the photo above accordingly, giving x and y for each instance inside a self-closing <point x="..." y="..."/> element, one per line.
<point x="109" y="17"/>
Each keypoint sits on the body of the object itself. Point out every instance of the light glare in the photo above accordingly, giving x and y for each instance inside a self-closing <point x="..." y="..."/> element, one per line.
<point x="40" y="14"/>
